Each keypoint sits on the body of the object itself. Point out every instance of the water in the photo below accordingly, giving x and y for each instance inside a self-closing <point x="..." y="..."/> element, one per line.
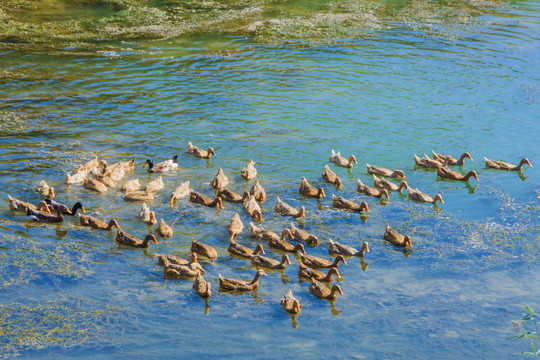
<point x="474" y="260"/>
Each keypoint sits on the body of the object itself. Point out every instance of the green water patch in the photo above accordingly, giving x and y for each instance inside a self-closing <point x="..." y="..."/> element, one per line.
<point x="62" y="323"/>
<point x="23" y="260"/>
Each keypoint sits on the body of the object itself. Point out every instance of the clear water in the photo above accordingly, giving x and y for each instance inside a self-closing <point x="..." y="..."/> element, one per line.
<point x="474" y="260"/>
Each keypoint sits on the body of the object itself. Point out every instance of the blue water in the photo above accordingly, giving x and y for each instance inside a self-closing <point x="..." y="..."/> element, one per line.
<point x="474" y="260"/>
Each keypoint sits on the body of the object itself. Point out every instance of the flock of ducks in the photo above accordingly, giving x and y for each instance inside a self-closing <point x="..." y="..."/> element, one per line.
<point x="100" y="176"/>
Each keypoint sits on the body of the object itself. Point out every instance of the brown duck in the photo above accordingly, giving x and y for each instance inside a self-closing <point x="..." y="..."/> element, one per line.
<point x="364" y="189"/>
<point x="240" y="285"/>
<point x="203" y="249"/>
<point x="308" y="273"/>
<point x="331" y="177"/>
<point x="45" y="215"/>
<point x="202" y="287"/>
<point x="243" y="251"/>
<point x="446" y="173"/>
<point x="341" y="203"/>
<point x="205" y="154"/>
<point x="257" y="191"/>
<point x="426" y="162"/>
<point x="449" y="160"/>
<point x="230" y="196"/>
<point x="502" y="165"/>
<point x="181" y="191"/>
<point x="252" y="208"/>
<point x="337" y="248"/>
<point x="164" y="230"/>
<point x="269" y="263"/>
<point x="173" y="259"/>
<point x="310" y="191"/>
<point x="182" y="271"/>
<point x="201" y="199"/>
<point x="317" y="262"/>
<point x="377" y="170"/>
<point x="289" y="303"/>
<point x="284" y="209"/>
<point x="320" y="290"/>
<point x="139" y="195"/>
<point x="86" y="220"/>
<point x="382" y="183"/>
<point x="129" y="240"/>
<point x="19" y="205"/>
<point x="249" y="171"/>
<point x="337" y="159"/>
<point x="220" y="180"/>
<point x="302" y="235"/>
<point x="235" y="226"/>
<point x="396" y="238"/>
<point x="417" y="195"/>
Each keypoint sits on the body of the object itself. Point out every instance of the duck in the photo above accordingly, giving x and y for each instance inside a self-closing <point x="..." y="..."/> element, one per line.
<point x="285" y="209"/>
<point x="167" y="165"/>
<point x="382" y="183"/>
<point x="417" y="195"/>
<point x="249" y="171"/>
<point x="92" y="164"/>
<point x="235" y="226"/>
<point x="303" y="235"/>
<point x="317" y="262"/>
<point x="449" y="160"/>
<point x="396" y="238"/>
<point x="446" y="173"/>
<point x="45" y="190"/>
<point x="78" y="177"/>
<point x="181" y="271"/>
<point x="252" y="208"/>
<point x="289" y="303"/>
<point x="243" y="251"/>
<point x="269" y="263"/>
<point x="201" y="199"/>
<point x="19" y="205"/>
<point x="257" y="191"/>
<point x="203" y="249"/>
<point x="205" y="154"/>
<point x="54" y="205"/>
<point x="320" y="290"/>
<point x="275" y="241"/>
<point x="337" y="159"/>
<point x="202" y="287"/>
<point x="98" y="176"/>
<point x="130" y="186"/>
<point x="173" y="259"/>
<point x="377" y="170"/>
<point x="116" y="172"/>
<point x="127" y="166"/>
<point x="220" y="180"/>
<point x="181" y="191"/>
<point x="337" y="248"/>
<point x="426" y="162"/>
<point x="240" y="285"/>
<point x="155" y="185"/>
<point x="126" y="239"/>
<point x="341" y="203"/>
<point x="139" y="195"/>
<point x="95" y="185"/>
<point x="46" y="215"/>
<point x="230" y="196"/>
<point x="87" y="220"/>
<point x="308" y="273"/>
<point x="146" y="215"/>
<point x="376" y="192"/>
<point x="502" y="165"/>
<point x="307" y="190"/>
<point x="331" y="177"/>
<point x="164" y="230"/>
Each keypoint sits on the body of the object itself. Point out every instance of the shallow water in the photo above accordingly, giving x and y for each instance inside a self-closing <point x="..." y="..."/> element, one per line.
<point x="474" y="260"/>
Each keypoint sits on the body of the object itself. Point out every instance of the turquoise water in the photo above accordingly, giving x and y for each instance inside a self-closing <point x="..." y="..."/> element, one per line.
<point x="474" y="260"/>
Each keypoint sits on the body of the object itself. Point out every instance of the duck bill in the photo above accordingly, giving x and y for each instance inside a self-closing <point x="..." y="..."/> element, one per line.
<point x="171" y="200"/>
<point x="297" y="308"/>
<point x="83" y="210"/>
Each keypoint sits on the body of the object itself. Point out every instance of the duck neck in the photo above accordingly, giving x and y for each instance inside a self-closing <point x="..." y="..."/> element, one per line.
<point x="112" y="223"/>
<point x="256" y="279"/>
<point x="521" y="163"/>
<point x="469" y="175"/>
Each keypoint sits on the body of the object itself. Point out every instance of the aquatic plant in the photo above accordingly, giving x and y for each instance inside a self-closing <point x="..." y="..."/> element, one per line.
<point x="530" y="319"/>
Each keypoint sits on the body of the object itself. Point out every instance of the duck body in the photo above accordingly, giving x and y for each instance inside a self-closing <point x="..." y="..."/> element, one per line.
<point x="308" y="273"/>
<point x="252" y="208"/>
<point x="342" y="203"/>
<point x="329" y="176"/>
<point x="167" y="165"/>
<point x="308" y="190"/>
<point x="249" y="171"/>
<point x="302" y="235"/>
<point x="90" y="165"/>
<point x="337" y="248"/>
<point x="428" y="163"/>
<point x="446" y="173"/>
<point x="182" y="271"/>
<point x="54" y="205"/>
<point x="275" y="241"/>
<point x="382" y="183"/>
<point x="205" y="154"/>
<point x="417" y="195"/>
<point x="47" y="216"/>
<point x="243" y="251"/>
<point x="220" y="180"/>
<point x="240" y="285"/>
<point x="339" y="160"/>
<point x="130" y="186"/>
<point x="503" y="165"/>
<point x="45" y="190"/>
<point x="321" y="291"/>
<point x="235" y="226"/>
<point x="231" y="196"/>
<point x="87" y="220"/>
<point x="289" y="303"/>
<point x="257" y="191"/>
<point x="146" y="215"/>
<point x="203" y="249"/>
<point x="124" y="238"/>
<point x="449" y="160"/>
<point x="317" y="262"/>
<point x="377" y="170"/>
<point x="396" y="238"/>
<point x="269" y="263"/>
<point x="139" y="195"/>
<point x="173" y="259"/>
<point x="19" y="205"/>
<point x="367" y="190"/>
<point x="202" y="199"/>
<point x="181" y="191"/>
<point x="285" y="209"/>
<point x="77" y="178"/>
<point x="94" y="184"/>
<point x="202" y="287"/>
<point x="155" y="185"/>
<point x="164" y="230"/>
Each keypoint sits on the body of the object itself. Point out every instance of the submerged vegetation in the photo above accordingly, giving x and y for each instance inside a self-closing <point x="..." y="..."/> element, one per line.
<point x="24" y="26"/>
